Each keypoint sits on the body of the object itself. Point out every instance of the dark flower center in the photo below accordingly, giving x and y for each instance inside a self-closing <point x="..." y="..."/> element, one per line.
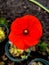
<point x="25" y="31"/>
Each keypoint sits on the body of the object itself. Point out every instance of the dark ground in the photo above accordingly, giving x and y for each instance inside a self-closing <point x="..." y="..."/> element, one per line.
<point x="11" y="9"/>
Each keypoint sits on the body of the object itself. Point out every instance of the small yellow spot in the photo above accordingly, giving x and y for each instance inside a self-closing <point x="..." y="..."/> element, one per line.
<point x="25" y="31"/>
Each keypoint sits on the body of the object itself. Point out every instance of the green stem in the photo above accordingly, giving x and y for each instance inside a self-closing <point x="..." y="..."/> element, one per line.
<point x="37" y="3"/>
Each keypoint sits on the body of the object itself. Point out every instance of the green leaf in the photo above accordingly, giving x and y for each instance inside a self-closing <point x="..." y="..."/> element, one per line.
<point x="40" y="5"/>
<point x="4" y="21"/>
<point x="42" y="46"/>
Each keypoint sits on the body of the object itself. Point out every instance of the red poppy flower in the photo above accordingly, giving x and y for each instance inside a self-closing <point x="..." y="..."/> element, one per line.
<point x="26" y="31"/>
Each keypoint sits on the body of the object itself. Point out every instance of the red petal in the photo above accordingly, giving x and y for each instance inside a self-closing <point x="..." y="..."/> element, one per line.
<point x="26" y="22"/>
<point x="30" y="41"/>
<point x="17" y="40"/>
<point x="35" y="28"/>
<point x="19" y="25"/>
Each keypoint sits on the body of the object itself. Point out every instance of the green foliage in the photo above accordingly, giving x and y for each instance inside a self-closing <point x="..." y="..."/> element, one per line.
<point x="40" y="5"/>
<point x="42" y="46"/>
<point x="3" y="21"/>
